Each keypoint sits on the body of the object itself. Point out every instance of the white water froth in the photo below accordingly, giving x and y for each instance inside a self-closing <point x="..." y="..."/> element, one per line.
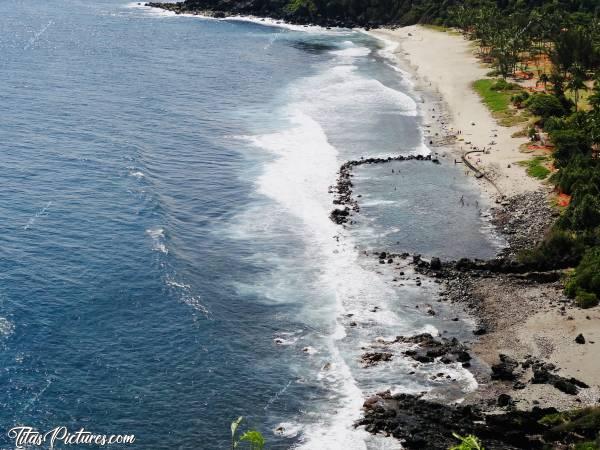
<point x="6" y="327"/>
<point x="298" y="180"/>
<point x="157" y="234"/>
<point x="304" y="165"/>
<point x="287" y="429"/>
<point x="342" y="91"/>
<point x="353" y="52"/>
<point x="187" y="296"/>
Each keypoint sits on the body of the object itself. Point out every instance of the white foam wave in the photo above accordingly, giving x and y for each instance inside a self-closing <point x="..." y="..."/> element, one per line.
<point x="344" y="93"/>
<point x="352" y="52"/>
<point x="187" y="296"/>
<point x="6" y="327"/>
<point x="158" y="234"/>
<point x="378" y="202"/>
<point x="305" y="163"/>
<point x="287" y="429"/>
<point x="150" y="11"/>
<point x="298" y="180"/>
<point x="265" y="21"/>
<point x="177" y="284"/>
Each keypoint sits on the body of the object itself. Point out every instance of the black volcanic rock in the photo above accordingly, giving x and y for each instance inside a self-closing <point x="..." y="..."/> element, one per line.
<point x="429" y="348"/>
<point x="505" y="369"/>
<point x="427" y="425"/>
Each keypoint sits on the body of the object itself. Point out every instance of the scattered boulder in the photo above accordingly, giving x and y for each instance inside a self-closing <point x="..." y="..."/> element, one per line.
<point x="429" y="348"/>
<point x="435" y="264"/>
<point x="519" y="385"/>
<point x="504" y="400"/>
<point x="505" y="369"/>
<point x="542" y="374"/>
<point x="370" y="359"/>
<point x="580" y="339"/>
<point x="565" y="386"/>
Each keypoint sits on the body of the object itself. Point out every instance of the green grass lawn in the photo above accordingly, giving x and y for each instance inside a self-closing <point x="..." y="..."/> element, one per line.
<point x="497" y="101"/>
<point x="536" y="168"/>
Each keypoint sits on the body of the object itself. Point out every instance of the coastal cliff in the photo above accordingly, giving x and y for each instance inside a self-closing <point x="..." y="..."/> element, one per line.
<point x="339" y="13"/>
<point x="356" y="13"/>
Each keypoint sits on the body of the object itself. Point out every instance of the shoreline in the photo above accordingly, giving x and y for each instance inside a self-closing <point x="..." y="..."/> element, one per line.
<point x="449" y="104"/>
<point x="460" y="114"/>
<point x="536" y="347"/>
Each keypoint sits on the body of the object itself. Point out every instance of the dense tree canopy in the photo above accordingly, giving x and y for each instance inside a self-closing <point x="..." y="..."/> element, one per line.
<point x="401" y="12"/>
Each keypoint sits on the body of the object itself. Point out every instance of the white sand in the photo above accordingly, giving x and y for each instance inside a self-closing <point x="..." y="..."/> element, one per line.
<point x="445" y="63"/>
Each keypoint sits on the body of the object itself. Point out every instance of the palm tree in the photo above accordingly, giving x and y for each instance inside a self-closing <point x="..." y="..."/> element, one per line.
<point x="576" y="83"/>
<point x="544" y="78"/>
<point x="594" y="98"/>
<point x="558" y="84"/>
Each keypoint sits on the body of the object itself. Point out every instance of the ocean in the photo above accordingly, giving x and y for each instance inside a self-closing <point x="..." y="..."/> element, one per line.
<point x="167" y="258"/>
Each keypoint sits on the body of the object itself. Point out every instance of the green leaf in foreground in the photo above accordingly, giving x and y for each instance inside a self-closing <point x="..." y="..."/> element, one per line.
<point x="234" y="426"/>
<point x="252" y="437"/>
<point x="469" y="442"/>
<point x="255" y="438"/>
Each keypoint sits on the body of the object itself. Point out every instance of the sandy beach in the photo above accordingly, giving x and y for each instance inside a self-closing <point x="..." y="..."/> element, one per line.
<point x="523" y="320"/>
<point x="445" y="63"/>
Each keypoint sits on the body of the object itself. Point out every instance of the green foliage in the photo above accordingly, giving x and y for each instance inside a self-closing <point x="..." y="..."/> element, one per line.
<point x="256" y="439"/>
<point x="574" y="47"/>
<point x="586" y="299"/>
<point x="594" y="98"/>
<point x="536" y="167"/>
<point x="252" y="437"/>
<point x="583" y="422"/>
<point x="520" y="98"/>
<point x="559" y="249"/>
<point x="586" y="278"/>
<point x="503" y="85"/>
<point x="590" y="445"/>
<point x="496" y="99"/>
<point x="583" y="213"/>
<point x="469" y="442"/>
<point x="569" y="144"/>
<point x="307" y="7"/>
<point x="576" y="175"/>
<point x="545" y="105"/>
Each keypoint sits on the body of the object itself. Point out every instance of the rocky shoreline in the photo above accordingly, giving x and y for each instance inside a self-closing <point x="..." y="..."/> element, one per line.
<point x="343" y="188"/>
<point x="517" y="388"/>
<point x="519" y="384"/>
<point x="220" y="9"/>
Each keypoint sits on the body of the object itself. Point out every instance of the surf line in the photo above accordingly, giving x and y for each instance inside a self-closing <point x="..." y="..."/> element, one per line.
<point x="343" y="187"/>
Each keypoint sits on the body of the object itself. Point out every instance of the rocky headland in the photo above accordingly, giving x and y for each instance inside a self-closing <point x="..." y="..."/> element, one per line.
<point x="278" y="11"/>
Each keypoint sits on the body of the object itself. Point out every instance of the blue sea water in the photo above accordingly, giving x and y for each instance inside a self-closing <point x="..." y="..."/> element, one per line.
<point x="166" y="259"/>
